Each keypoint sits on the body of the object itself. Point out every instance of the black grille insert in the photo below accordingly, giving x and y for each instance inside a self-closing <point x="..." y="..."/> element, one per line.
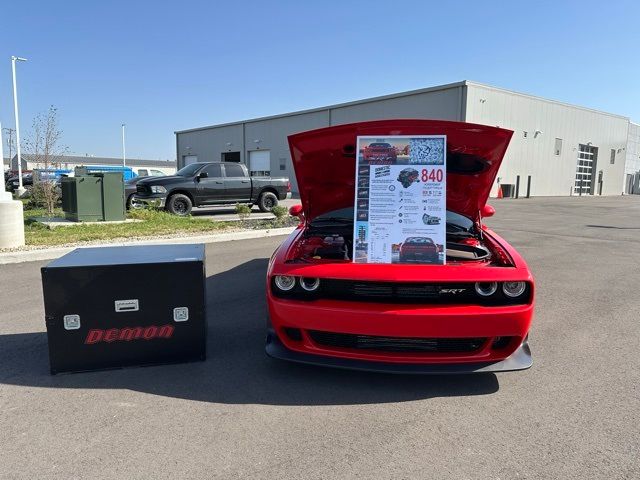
<point x="397" y="344"/>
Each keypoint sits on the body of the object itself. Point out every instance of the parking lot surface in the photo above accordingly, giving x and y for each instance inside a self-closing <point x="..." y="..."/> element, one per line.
<point x="574" y="414"/>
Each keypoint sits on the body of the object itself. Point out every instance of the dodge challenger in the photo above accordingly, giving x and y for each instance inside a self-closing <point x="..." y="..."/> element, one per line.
<point x="472" y="314"/>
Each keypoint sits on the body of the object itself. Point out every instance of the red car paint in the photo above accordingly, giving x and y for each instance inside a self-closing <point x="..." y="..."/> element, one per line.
<point x="324" y="162"/>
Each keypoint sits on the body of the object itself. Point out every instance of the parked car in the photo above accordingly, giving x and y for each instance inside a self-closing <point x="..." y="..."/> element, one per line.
<point x="214" y="183"/>
<point x="14" y="181"/>
<point x="472" y="314"/>
<point x="130" y="191"/>
<point x="418" y="249"/>
<point x="380" y="151"/>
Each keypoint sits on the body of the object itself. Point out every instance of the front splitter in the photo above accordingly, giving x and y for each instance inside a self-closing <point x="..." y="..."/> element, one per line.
<point x="520" y="360"/>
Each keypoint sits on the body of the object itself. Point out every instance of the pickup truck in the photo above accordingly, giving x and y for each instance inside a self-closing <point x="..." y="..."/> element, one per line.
<point x="211" y="183"/>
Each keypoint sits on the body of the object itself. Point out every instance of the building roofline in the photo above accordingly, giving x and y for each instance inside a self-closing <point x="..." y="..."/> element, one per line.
<point x="400" y="95"/>
<point x="547" y="100"/>
<point x="447" y="86"/>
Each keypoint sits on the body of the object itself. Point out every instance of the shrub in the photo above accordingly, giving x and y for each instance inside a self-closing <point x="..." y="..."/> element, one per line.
<point x="243" y="211"/>
<point x="279" y="212"/>
<point x="44" y="195"/>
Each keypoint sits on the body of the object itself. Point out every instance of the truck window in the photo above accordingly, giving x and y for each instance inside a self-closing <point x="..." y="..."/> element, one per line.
<point x="143" y="172"/>
<point x="233" y="170"/>
<point x="213" y="170"/>
<point x="157" y="173"/>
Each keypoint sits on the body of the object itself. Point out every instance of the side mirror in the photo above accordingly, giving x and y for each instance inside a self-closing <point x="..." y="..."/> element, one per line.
<point x="296" y="211"/>
<point x="488" y="211"/>
<point x="203" y="175"/>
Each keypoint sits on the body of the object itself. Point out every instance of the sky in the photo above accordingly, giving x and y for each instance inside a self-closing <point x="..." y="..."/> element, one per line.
<point x="165" y="66"/>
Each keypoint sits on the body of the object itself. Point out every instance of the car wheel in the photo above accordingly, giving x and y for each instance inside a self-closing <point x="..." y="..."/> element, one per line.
<point x="267" y="201"/>
<point x="179" y="204"/>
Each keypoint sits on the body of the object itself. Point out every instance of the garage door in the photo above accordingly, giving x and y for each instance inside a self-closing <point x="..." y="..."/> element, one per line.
<point x="189" y="159"/>
<point x="260" y="163"/>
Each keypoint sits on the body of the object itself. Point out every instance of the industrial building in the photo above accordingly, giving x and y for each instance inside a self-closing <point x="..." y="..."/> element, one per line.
<point x="557" y="149"/>
<point x="69" y="162"/>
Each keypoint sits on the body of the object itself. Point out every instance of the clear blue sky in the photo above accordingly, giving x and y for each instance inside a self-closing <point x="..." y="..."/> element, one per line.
<point x="164" y="66"/>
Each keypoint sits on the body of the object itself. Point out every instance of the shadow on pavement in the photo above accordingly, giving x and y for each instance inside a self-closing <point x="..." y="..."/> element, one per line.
<point x="237" y="370"/>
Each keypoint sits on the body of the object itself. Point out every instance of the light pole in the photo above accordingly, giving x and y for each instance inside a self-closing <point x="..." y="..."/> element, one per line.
<point x="15" y="59"/>
<point x="124" y="154"/>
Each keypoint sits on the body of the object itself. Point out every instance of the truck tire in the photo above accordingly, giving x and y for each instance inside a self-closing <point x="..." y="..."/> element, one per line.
<point x="179" y="204"/>
<point x="267" y="201"/>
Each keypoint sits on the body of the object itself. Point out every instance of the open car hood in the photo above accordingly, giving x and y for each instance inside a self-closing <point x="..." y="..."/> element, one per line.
<point x="325" y="161"/>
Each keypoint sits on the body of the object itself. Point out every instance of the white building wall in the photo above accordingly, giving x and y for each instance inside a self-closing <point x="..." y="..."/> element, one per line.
<point x="534" y="154"/>
<point x="632" y="165"/>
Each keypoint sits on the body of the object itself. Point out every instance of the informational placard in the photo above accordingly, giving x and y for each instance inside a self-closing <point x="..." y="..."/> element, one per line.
<point x="400" y="210"/>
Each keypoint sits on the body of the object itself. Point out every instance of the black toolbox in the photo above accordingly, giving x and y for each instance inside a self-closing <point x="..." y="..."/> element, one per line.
<point x="112" y="307"/>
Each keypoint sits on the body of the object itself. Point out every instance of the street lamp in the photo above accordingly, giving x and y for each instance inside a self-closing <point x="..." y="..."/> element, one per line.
<point x="124" y="155"/>
<point x="14" y="59"/>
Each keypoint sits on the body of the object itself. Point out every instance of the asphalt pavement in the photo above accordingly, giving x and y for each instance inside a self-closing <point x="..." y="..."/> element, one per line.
<point x="574" y="415"/>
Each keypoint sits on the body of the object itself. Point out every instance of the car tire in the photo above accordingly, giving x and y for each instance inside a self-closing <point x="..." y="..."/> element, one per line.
<point x="179" y="204"/>
<point x="267" y="201"/>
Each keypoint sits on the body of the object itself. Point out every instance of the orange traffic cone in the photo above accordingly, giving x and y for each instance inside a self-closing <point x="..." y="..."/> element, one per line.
<point x="500" y="192"/>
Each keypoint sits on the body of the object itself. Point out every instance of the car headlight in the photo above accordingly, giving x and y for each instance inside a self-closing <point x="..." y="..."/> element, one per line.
<point x="158" y="189"/>
<point x="513" y="289"/>
<point x="309" y="284"/>
<point x="486" y="289"/>
<point x="285" y="282"/>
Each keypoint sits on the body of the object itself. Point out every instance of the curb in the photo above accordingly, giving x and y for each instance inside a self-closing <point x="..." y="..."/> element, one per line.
<point x="51" y="253"/>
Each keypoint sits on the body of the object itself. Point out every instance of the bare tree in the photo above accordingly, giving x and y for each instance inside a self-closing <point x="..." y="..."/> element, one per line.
<point x="43" y="145"/>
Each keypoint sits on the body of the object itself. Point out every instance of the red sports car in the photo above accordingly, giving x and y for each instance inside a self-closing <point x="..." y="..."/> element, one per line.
<point x="379" y="152"/>
<point x="471" y="315"/>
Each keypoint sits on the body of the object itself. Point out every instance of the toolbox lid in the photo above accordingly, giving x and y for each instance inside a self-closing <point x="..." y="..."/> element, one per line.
<point x="138" y="254"/>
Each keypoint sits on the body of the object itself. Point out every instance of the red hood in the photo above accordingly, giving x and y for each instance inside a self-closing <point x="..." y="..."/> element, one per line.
<point x="325" y="161"/>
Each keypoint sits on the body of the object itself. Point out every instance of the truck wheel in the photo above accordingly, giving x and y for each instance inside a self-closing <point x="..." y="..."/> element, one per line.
<point x="267" y="201"/>
<point x="179" y="204"/>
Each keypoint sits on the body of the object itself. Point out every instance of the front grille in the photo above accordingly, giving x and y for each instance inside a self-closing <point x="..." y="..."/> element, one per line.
<point x="395" y="292"/>
<point x="397" y="344"/>
<point x="400" y="292"/>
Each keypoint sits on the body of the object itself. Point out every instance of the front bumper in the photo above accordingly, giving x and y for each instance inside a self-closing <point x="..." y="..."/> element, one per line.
<point x="157" y="201"/>
<point x="519" y="360"/>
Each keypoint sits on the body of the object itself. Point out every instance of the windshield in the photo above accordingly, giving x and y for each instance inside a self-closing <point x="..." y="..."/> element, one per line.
<point x="459" y="222"/>
<point x="189" y="170"/>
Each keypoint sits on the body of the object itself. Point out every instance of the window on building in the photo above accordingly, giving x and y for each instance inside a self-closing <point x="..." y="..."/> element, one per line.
<point x="283" y="163"/>
<point x="231" y="157"/>
<point x="233" y="171"/>
<point x="613" y="156"/>
<point x="557" y="149"/>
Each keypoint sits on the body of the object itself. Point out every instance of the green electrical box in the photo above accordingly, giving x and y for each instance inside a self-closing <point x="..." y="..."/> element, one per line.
<point x="94" y="197"/>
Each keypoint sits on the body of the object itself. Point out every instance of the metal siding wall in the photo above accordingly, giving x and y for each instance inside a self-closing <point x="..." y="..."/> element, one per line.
<point x="272" y="133"/>
<point x="438" y="104"/>
<point x="209" y="144"/>
<point x="551" y="175"/>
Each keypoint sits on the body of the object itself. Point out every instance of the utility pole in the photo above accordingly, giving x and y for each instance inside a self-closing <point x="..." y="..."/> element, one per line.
<point x="4" y="195"/>
<point x="9" y="142"/>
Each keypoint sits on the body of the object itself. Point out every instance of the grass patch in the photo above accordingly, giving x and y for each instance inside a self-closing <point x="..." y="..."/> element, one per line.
<point x="153" y="223"/>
